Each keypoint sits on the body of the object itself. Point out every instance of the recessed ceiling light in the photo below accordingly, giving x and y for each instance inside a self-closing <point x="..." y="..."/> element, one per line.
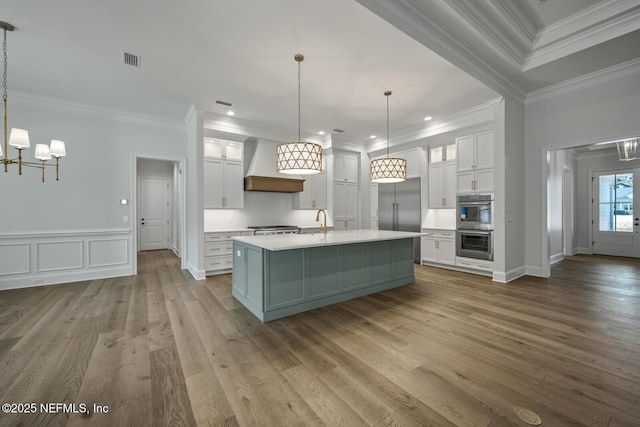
<point x="372" y="137"/>
<point x="321" y="132"/>
<point x="428" y="118"/>
<point x="230" y="113"/>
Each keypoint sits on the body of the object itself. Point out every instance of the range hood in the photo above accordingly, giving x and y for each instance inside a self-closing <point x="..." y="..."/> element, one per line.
<point x="261" y="174"/>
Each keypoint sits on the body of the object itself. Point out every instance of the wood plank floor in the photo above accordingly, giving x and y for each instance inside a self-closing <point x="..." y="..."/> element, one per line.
<point x="452" y="349"/>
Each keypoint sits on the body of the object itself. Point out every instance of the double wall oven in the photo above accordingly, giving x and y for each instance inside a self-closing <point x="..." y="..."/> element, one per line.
<point x="474" y="223"/>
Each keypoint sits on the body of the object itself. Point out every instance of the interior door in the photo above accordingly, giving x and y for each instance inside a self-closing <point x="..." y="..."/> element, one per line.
<point x="616" y="213"/>
<point x="153" y="211"/>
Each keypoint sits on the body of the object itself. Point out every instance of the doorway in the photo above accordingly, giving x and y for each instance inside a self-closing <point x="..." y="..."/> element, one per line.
<point x="160" y="203"/>
<point x="616" y="213"/>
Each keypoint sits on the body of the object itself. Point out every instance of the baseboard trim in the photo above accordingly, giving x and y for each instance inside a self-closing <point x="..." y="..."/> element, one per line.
<point x="583" y="250"/>
<point x="556" y="258"/>
<point x="533" y="271"/>
<point x="197" y="274"/>
<point x="509" y="276"/>
<point x="34" y="280"/>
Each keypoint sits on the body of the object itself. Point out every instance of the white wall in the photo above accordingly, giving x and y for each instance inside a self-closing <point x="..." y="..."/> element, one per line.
<point x="82" y="211"/>
<point x="586" y="111"/>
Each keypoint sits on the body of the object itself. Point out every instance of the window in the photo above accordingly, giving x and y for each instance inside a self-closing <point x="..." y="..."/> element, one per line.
<point x="616" y="202"/>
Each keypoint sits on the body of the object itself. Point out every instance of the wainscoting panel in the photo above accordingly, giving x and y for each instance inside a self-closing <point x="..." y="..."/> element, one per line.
<point x="46" y="258"/>
<point x="108" y="252"/>
<point x="15" y="258"/>
<point x="56" y="256"/>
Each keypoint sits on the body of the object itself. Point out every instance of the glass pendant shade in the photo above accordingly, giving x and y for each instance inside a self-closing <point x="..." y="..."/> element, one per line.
<point x="388" y="170"/>
<point x="57" y="148"/>
<point x="299" y="158"/>
<point x="42" y="152"/>
<point x="19" y="138"/>
<point x="628" y="149"/>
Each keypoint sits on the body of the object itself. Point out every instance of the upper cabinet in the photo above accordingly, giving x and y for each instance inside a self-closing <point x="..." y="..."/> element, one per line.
<point x="314" y="195"/>
<point x="475" y="162"/>
<point x="345" y="168"/>
<point x="223" y="174"/>
<point x="442" y="176"/>
<point x="223" y="150"/>
<point x="412" y="156"/>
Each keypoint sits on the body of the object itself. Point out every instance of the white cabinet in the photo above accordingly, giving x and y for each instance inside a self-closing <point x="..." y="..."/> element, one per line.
<point x="373" y="208"/>
<point x="223" y="184"/>
<point x="218" y="251"/>
<point x="438" y="246"/>
<point x="223" y="174"/>
<point x="345" y="168"/>
<point x="475" y="264"/>
<point x="475" y="162"/>
<point x="224" y="150"/>
<point x="412" y="156"/>
<point x="314" y="195"/>
<point x="442" y="177"/>
<point x="345" y="205"/>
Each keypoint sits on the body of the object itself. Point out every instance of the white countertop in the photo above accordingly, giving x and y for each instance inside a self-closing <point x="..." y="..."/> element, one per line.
<point x="281" y="242"/>
<point x="227" y="230"/>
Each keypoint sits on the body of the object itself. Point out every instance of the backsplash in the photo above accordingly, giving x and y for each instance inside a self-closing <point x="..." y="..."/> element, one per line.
<point x="260" y="209"/>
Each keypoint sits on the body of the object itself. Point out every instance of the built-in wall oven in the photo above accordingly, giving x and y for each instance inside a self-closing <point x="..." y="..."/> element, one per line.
<point x="476" y="244"/>
<point x="474" y="220"/>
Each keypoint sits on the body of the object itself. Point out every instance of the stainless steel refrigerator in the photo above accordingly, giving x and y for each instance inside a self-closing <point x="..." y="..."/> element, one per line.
<point x="399" y="209"/>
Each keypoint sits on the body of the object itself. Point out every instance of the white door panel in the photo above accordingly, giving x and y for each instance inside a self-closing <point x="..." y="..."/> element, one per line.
<point x="153" y="211"/>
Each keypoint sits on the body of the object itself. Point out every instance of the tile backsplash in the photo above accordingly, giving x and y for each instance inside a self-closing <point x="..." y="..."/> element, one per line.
<point x="260" y="209"/>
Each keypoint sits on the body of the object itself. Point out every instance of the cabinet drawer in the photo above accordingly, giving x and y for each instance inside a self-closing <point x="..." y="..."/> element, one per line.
<point x="218" y="263"/>
<point x="218" y="248"/>
<point x="475" y="264"/>
<point x="440" y="234"/>
<point x="217" y="237"/>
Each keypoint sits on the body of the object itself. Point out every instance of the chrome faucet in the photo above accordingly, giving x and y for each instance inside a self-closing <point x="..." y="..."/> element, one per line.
<point x="322" y="227"/>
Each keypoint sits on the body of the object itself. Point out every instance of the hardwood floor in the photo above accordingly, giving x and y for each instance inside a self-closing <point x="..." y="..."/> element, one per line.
<point x="160" y="349"/>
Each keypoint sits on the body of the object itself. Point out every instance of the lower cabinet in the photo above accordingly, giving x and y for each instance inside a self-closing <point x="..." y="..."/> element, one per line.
<point x="475" y="264"/>
<point x="218" y="251"/>
<point x="438" y="246"/>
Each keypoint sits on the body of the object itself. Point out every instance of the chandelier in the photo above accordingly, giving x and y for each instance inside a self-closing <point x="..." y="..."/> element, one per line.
<point x="299" y="158"/>
<point x="388" y="170"/>
<point x="19" y="138"/>
<point x="628" y="149"/>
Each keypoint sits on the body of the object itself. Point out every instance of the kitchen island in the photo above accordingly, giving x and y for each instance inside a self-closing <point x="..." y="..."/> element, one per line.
<point x="279" y="275"/>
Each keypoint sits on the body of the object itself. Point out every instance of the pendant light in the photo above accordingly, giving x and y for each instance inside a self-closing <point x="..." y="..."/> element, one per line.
<point x="299" y="158"/>
<point x="388" y="170"/>
<point x="19" y="138"/>
<point x="628" y="149"/>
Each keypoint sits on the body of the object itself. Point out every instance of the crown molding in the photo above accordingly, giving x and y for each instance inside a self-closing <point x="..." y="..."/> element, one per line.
<point x="87" y="110"/>
<point x="518" y="20"/>
<point x="474" y="116"/>
<point x="415" y="20"/>
<point x="592" y="26"/>
<point x="248" y="128"/>
<point x="601" y="76"/>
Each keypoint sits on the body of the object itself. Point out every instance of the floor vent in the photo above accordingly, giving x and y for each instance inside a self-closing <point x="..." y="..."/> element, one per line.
<point x="131" y="59"/>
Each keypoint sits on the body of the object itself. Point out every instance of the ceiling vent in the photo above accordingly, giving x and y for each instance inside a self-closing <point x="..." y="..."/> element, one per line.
<point x="131" y="59"/>
<point x="338" y="130"/>
<point x="225" y="103"/>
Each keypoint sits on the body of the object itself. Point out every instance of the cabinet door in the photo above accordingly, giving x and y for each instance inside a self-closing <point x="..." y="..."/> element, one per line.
<point x="413" y="157"/>
<point x="338" y="201"/>
<point x="465" y="182"/>
<point x="484" y="149"/>
<point x="450" y="189"/>
<point x="436" y="155"/>
<point x="319" y="186"/>
<point x="213" y="148"/>
<point x="350" y="169"/>
<point x="436" y="185"/>
<point x="213" y="183"/>
<point x="351" y="201"/>
<point x="465" y="157"/>
<point x="233" y="185"/>
<point x="447" y="252"/>
<point x="374" y="223"/>
<point x="304" y="199"/>
<point x="374" y="201"/>
<point x="428" y="250"/>
<point x="484" y="180"/>
<point x="233" y="151"/>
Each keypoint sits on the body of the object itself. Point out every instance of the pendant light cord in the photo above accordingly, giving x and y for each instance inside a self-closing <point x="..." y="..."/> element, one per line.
<point x="4" y="74"/>
<point x="299" y="114"/>
<point x="388" y="123"/>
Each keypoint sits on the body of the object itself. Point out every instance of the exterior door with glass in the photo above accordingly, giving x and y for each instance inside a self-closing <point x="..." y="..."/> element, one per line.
<point x="616" y="213"/>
